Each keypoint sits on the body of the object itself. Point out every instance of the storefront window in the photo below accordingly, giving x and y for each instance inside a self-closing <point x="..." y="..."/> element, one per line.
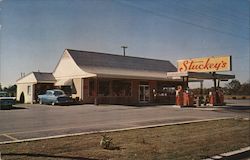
<point x="164" y="89"/>
<point x="103" y="88"/>
<point x="121" y="88"/>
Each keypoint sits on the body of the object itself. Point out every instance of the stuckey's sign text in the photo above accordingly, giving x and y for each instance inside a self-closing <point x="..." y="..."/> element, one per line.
<point x="206" y="64"/>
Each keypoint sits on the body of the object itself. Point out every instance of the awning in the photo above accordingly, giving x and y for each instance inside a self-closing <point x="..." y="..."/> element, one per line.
<point x="64" y="82"/>
<point x="198" y="75"/>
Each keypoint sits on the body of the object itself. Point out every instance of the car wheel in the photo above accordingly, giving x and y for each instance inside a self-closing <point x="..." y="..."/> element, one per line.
<point x="53" y="103"/>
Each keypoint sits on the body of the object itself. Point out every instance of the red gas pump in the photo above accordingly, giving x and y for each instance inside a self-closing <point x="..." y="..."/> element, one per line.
<point x="212" y="98"/>
<point x="220" y="97"/>
<point x="216" y="98"/>
<point x="179" y="96"/>
<point x="188" y="99"/>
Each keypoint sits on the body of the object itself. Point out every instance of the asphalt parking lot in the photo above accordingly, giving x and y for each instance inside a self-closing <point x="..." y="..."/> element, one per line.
<point x="28" y="121"/>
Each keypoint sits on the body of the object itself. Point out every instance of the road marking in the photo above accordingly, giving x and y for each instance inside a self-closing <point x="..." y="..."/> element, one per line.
<point x="228" y="155"/>
<point x="10" y="137"/>
<point x="216" y="157"/>
<point x="235" y="152"/>
<point x="114" y="130"/>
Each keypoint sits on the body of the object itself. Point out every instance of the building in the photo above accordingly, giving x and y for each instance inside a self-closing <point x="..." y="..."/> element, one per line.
<point x="34" y="83"/>
<point x="104" y="78"/>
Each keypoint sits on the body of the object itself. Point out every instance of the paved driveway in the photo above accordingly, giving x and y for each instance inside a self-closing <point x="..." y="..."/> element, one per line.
<point x="34" y="121"/>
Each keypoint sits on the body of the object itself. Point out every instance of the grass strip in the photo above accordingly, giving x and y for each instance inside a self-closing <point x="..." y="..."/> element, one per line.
<point x="187" y="141"/>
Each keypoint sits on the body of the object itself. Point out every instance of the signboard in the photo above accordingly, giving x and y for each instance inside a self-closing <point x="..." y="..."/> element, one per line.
<point x="205" y="64"/>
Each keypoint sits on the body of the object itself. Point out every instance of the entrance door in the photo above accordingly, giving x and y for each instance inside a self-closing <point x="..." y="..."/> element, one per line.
<point x="144" y="93"/>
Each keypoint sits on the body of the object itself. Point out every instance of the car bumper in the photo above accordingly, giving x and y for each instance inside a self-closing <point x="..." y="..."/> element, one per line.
<point x="64" y="102"/>
<point x="6" y="105"/>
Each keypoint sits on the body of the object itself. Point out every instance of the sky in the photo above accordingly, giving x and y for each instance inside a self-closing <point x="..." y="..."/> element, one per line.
<point x="34" y="33"/>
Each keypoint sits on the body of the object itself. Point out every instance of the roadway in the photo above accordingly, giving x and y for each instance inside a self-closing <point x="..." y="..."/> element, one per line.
<point x="28" y="121"/>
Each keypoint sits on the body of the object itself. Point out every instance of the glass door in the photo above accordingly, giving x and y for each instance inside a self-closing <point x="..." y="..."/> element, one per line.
<point x="144" y="93"/>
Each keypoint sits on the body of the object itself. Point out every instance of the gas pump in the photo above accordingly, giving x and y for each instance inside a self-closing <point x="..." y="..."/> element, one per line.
<point x="216" y="97"/>
<point x="188" y="99"/>
<point x="212" y="98"/>
<point x="179" y="96"/>
<point x="221" y="95"/>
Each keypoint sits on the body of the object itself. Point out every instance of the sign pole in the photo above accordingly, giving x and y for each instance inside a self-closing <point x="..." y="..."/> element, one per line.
<point x="201" y="91"/>
<point x="214" y="81"/>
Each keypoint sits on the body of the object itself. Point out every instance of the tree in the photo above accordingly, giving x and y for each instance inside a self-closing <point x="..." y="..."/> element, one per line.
<point x="233" y="87"/>
<point x="11" y="90"/>
<point x="245" y="89"/>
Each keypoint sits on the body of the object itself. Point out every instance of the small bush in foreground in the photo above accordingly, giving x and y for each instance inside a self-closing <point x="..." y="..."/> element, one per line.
<point x="106" y="143"/>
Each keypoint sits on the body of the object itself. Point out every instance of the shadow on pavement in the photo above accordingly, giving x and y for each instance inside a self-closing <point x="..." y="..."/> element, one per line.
<point x="15" y="107"/>
<point x="243" y="110"/>
<point x="237" y="107"/>
<point x="149" y="105"/>
<point x="46" y="156"/>
<point x="11" y="108"/>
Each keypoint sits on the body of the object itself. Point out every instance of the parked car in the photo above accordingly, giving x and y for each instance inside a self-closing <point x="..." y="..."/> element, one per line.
<point x="55" y="96"/>
<point x="6" y="101"/>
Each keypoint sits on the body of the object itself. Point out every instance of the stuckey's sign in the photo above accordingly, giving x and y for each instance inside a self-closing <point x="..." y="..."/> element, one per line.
<point x="206" y="64"/>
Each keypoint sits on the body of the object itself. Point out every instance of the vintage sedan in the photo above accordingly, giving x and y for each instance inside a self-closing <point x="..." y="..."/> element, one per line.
<point x="6" y="101"/>
<point x="55" y="96"/>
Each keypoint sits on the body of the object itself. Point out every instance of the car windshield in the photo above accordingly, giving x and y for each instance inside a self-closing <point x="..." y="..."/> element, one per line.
<point x="58" y="93"/>
<point x="4" y="94"/>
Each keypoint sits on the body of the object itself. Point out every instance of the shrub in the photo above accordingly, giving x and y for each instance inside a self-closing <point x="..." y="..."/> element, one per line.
<point x="106" y="142"/>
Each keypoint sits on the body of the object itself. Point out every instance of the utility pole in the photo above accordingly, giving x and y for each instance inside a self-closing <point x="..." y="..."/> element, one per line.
<point x="124" y="48"/>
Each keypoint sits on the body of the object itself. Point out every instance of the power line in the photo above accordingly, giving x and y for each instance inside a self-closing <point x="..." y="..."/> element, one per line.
<point x="225" y="11"/>
<point x="185" y="22"/>
<point x="203" y="6"/>
<point x="201" y="14"/>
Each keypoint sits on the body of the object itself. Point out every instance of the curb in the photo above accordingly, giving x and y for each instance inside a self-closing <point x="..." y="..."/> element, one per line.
<point x="242" y="153"/>
<point x="113" y="130"/>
